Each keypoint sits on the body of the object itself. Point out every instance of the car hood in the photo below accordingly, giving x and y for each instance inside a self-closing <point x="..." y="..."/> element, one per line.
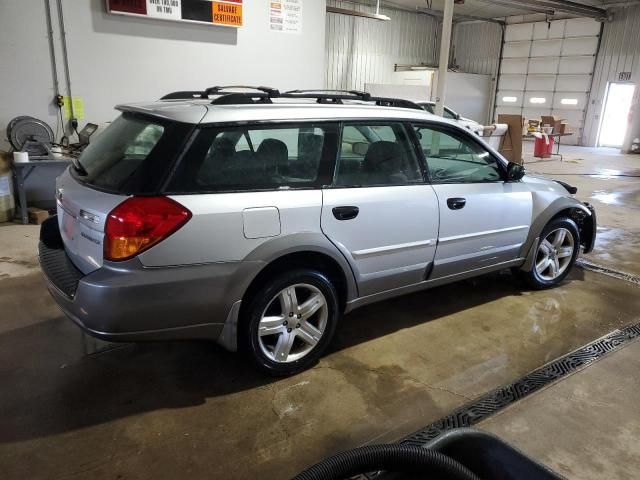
<point x="542" y="182"/>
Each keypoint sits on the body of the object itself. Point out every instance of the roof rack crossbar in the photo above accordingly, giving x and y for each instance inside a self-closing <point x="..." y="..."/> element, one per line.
<point x="244" y="98"/>
<point x="354" y="93"/>
<point x="395" y="102"/>
<point x="221" y="88"/>
<point x="182" y="95"/>
<point x="217" y="90"/>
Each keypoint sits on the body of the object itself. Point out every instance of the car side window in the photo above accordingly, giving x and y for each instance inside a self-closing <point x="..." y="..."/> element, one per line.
<point x="252" y="158"/>
<point x="376" y="155"/>
<point x="452" y="158"/>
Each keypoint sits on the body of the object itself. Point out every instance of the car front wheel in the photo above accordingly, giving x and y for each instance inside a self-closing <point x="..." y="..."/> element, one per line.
<point x="290" y="321"/>
<point x="557" y="252"/>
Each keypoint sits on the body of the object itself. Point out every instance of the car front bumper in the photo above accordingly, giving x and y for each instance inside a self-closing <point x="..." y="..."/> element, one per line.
<point x="127" y="302"/>
<point x="591" y="240"/>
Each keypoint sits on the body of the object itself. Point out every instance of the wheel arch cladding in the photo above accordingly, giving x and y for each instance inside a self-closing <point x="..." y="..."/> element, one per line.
<point x="562" y="207"/>
<point x="304" y="250"/>
<point x="309" y="259"/>
<point x="584" y="220"/>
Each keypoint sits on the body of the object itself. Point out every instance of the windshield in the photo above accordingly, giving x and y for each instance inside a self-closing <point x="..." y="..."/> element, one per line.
<point x="130" y="155"/>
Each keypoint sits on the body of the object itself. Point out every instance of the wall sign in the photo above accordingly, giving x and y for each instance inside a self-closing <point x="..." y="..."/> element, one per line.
<point x="226" y="12"/>
<point x="624" y="76"/>
<point x="285" y="16"/>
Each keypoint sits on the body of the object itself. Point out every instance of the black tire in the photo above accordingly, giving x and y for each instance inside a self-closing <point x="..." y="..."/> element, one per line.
<point x="249" y="338"/>
<point x="532" y="278"/>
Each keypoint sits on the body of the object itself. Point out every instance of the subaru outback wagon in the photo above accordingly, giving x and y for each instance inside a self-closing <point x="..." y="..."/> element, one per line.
<point x="258" y="218"/>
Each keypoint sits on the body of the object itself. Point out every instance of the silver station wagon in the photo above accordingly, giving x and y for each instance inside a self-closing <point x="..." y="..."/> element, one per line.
<point x="258" y="218"/>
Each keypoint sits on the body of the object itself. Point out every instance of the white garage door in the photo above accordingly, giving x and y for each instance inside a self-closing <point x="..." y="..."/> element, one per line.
<point x="546" y="70"/>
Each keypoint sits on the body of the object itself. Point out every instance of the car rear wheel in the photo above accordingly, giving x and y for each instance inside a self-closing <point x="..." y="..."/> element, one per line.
<point x="290" y="321"/>
<point x="556" y="254"/>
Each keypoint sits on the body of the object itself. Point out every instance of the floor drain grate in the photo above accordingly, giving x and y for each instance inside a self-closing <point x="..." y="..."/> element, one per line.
<point x="502" y="397"/>
<point x="594" y="267"/>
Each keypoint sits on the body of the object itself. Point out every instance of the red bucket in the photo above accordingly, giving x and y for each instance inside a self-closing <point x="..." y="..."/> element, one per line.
<point x="542" y="148"/>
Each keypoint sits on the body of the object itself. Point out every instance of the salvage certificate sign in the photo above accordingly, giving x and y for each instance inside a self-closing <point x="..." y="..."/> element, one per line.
<point x="227" y="13"/>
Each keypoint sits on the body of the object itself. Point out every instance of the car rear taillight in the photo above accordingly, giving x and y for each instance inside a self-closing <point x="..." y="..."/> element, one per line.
<point x="138" y="223"/>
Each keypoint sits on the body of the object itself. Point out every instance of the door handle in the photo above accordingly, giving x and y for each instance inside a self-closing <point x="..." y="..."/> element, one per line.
<point x="456" y="203"/>
<point x="345" y="213"/>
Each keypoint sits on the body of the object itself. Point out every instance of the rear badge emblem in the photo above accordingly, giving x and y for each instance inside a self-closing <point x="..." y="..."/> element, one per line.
<point x="91" y="239"/>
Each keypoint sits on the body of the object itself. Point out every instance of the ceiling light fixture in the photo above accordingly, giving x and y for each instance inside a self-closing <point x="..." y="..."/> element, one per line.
<point x="356" y="13"/>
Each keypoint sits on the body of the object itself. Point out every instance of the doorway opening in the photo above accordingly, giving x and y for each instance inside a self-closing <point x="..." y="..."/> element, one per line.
<point x="613" y="126"/>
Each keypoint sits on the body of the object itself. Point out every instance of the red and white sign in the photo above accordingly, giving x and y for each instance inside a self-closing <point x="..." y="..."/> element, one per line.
<point x="226" y="13"/>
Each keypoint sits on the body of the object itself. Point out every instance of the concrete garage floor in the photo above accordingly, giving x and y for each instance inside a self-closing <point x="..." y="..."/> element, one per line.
<point x="75" y="408"/>
<point x="586" y="426"/>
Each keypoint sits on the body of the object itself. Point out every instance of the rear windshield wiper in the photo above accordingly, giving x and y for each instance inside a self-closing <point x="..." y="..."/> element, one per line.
<point x="78" y="166"/>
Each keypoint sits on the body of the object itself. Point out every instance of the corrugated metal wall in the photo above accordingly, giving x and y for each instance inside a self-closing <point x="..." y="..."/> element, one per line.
<point x="361" y="50"/>
<point x="477" y="47"/>
<point x="619" y="52"/>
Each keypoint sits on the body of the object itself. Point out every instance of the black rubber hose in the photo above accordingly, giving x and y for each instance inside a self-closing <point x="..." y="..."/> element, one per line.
<point x="429" y="464"/>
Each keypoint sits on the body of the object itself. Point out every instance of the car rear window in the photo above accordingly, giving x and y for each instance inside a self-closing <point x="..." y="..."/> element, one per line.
<point x="132" y="154"/>
<point x="257" y="157"/>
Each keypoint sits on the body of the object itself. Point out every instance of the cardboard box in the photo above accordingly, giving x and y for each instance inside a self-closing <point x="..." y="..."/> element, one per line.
<point x="552" y="121"/>
<point x="511" y="145"/>
<point x="37" y="215"/>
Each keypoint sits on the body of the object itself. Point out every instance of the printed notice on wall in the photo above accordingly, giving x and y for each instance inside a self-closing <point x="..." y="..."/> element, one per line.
<point x="226" y="13"/>
<point x="167" y="9"/>
<point x="285" y="16"/>
<point x="78" y="107"/>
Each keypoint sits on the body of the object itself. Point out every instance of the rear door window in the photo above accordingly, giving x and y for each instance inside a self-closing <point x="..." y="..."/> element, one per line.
<point x="255" y="158"/>
<point x="376" y="155"/>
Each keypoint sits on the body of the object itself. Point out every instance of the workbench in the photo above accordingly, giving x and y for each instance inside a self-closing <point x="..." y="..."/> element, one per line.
<point x="556" y="137"/>
<point x="22" y="170"/>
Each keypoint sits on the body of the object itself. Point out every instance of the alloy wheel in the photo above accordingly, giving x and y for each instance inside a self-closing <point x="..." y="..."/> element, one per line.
<point x="554" y="254"/>
<point x="293" y="323"/>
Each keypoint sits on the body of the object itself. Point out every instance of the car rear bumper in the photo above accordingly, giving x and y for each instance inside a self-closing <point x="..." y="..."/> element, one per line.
<point x="127" y="302"/>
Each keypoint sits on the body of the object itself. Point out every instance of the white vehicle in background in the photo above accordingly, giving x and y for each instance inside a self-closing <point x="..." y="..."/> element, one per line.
<point x="451" y="115"/>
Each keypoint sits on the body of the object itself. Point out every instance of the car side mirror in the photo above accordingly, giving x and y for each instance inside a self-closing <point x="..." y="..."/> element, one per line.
<point x="515" y="172"/>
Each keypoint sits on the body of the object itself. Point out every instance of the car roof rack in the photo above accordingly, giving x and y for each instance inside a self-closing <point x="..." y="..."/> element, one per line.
<point x="264" y="92"/>
<point x="321" y="91"/>
<point x="183" y="95"/>
<point x="337" y="97"/>
<point x="229" y="95"/>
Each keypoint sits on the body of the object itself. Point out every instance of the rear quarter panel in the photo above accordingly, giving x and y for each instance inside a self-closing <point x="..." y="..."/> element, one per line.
<point x="227" y="227"/>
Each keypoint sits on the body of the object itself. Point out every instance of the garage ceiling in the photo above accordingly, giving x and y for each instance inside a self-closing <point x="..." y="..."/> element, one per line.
<point x="489" y="8"/>
<point x="476" y="8"/>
